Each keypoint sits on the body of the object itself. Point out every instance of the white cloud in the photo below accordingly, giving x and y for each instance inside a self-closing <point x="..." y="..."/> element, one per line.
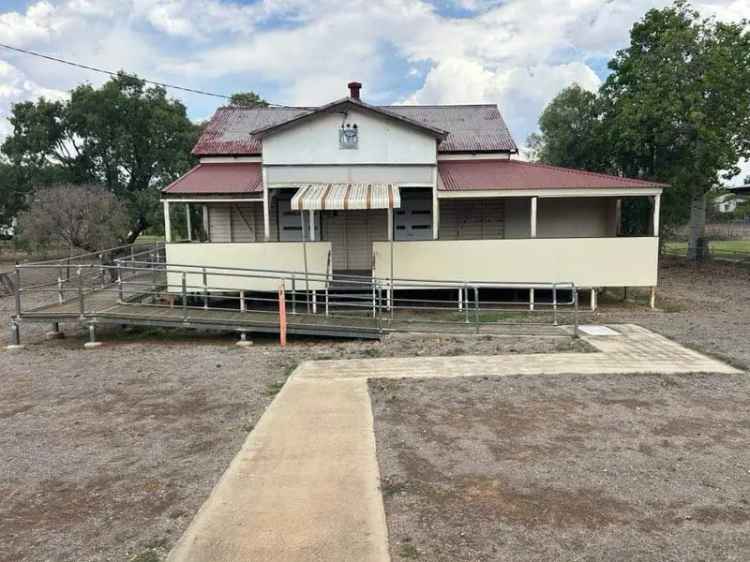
<point x="14" y="88"/>
<point x="38" y="23"/>
<point x="517" y="53"/>
<point x="744" y="173"/>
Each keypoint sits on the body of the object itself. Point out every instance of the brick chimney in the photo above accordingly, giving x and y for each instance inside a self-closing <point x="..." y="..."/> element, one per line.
<point x="354" y="88"/>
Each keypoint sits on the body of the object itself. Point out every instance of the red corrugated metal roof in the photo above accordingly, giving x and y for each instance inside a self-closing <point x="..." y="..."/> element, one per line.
<point x="471" y="128"/>
<point x="468" y="175"/>
<point x="228" y="131"/>
<point x="220" y="179"/>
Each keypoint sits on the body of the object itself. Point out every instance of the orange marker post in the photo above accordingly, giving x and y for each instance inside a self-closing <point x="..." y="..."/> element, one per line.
<point x="282" y="316"/>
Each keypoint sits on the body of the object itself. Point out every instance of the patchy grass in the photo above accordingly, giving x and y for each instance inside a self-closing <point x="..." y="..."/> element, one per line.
<point x="275" y="387"/>
<point x="742" y="246"/>
<point x="149" y="555"/>
<point x="408" y="551"/>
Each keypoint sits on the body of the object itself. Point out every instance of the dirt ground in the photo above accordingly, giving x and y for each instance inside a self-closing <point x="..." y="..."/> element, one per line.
<point x="566" y="468"/>
<point x="106" y="455"/>
<point x="581" y="468"/>
<point x="705" y="307"/>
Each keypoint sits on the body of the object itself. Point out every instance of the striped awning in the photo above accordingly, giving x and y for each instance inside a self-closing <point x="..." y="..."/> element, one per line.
<point x="346" y="196"/>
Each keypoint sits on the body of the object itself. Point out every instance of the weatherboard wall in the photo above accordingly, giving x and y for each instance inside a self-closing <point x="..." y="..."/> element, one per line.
<point x="381" y="141"/>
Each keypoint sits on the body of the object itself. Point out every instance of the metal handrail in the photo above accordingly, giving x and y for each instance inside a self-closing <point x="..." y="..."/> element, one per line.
<point x="148" y="282"/>
<point x="86" y="288"/>
<point x="398" y="283"/>
<point x="92" y="254"/>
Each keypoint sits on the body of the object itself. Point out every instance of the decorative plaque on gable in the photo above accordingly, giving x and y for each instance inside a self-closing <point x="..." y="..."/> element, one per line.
<point x="348" y="136"/>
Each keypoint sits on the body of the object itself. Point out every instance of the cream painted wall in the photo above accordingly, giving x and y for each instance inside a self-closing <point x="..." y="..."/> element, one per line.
<point x="587" y="262"/>
<point x="380" y="141"/>
<point x="414" y="175"/>
<point x="557" y="217"/>
<point x="574" y="217"/>
<point x="282" y="256"/>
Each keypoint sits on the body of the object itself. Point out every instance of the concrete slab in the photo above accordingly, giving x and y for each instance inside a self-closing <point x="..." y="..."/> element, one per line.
<point x="597" y="330"/>
<point x="305" y="485"/>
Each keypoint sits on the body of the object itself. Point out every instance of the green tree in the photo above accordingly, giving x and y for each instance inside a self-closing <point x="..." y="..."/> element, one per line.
<point x="125" y="136"/>
<point x="247" y="99"/>
<point x="571" y="131"/>
<point x="677" y="107"/>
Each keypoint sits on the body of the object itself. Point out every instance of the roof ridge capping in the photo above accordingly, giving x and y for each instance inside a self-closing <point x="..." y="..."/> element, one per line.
<point x="380" y="110"/>
<point x="441" y="105"/>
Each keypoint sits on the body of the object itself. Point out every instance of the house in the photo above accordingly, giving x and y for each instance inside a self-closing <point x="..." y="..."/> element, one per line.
<point x="419" y="193"/>
<point x="742" y="192"/>
<point x="725" y="203"/>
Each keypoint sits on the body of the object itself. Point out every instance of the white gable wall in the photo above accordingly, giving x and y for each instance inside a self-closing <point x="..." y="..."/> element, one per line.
<point x="381" y="141"/>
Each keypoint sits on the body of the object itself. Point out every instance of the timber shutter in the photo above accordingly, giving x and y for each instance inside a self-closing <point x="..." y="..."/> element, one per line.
<point x="238" y="222"/>
<point x="472" y="219"/>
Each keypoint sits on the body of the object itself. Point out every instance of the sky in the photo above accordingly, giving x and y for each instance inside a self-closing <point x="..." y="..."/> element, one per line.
<point x="516" y="53"/>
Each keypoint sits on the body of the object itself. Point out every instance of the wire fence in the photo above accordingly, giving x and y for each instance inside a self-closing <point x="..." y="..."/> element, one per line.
<point x="721" y="254"/>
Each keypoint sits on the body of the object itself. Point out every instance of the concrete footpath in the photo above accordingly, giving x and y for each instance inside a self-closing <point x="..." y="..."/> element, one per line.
<point x="305" y="485"/>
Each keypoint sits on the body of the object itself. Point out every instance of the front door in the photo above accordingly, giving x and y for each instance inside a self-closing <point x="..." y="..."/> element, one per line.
<point x="413" y="221"/>
<point x="351" y="234"/>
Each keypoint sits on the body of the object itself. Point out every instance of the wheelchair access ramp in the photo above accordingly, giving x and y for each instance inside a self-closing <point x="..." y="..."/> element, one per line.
<point x="129" y="287"/>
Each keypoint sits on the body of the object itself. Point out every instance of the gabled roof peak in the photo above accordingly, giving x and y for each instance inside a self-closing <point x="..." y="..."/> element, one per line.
<point x="356" y="103"/>
<point x="471" y="128"/>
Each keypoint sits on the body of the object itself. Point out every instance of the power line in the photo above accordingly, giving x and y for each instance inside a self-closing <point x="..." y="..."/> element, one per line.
<point x="112" y="73"/>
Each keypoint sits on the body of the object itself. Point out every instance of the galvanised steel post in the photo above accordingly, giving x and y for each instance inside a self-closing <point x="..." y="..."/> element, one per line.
<point x="304" y="255"/>
<point x="575" y="311"/>
<point x="15" y="333"/>
<point x="476" y="306"/>
<point x="184" y="297"/>
<point x="466" y="304"/>
<point x="80" y="293"/>
<point x="294" y="295"/>
<point x="60" y="294"/>
<point x="205" y="289"/>
<point x="554" y="303"/>
<point x="18" y="291"/>
<point x="155" y="278"/>
<point x="119" y="284"/>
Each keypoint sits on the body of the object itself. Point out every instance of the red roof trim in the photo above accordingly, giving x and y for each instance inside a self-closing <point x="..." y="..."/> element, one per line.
<point x="219" y="178"/>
